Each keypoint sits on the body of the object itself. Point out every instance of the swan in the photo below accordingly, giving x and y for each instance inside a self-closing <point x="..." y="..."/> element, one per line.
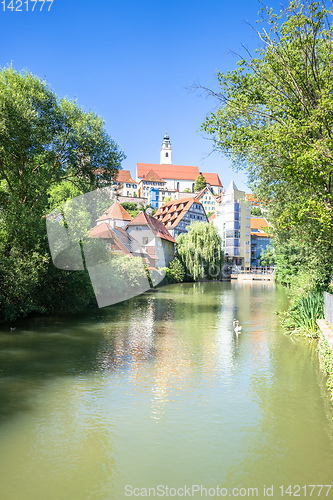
<point x="237" y="328"/>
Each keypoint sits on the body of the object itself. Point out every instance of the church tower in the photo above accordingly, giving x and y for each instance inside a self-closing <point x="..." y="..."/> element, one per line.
<point x="166" y="151"/>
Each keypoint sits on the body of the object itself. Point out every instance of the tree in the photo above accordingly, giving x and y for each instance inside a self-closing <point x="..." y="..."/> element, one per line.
<point x="276" y="119"/>
<point x="50" y="150"/>
<point x="176" y="272"/>
<point x="131" y="207"/>
<point x="187" y="190"/>
<point x="200" y="183"/>
<point x="256" y="212"/>
<point x="267" y="257"/>
<point x="200" y="251"/>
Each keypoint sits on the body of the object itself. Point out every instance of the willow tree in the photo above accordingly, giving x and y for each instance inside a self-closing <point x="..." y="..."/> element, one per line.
<point x="275" y="118"/>
<point x="200" y="251"/>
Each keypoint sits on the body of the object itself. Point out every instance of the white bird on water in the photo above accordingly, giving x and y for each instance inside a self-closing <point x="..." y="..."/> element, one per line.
<point x="237" y="328"/>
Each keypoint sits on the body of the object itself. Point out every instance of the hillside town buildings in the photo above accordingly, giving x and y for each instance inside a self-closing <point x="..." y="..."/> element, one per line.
<point x="169" y="189"/>
<point x="177" y="215"/>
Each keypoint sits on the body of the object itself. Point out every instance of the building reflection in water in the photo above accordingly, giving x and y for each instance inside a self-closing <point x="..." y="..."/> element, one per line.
<point x="165" y="356"/>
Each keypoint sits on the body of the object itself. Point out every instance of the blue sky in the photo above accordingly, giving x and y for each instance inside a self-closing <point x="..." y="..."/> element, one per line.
<point x="133" y="63"/>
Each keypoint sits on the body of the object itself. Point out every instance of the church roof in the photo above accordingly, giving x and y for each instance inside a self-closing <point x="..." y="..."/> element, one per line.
<point x="176" y="172"/>
<point x="212" y="179"/>
<point x="115" y="212"/>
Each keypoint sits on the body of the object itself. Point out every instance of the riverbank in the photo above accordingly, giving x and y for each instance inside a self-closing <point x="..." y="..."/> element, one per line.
<point x="325" y="351"/>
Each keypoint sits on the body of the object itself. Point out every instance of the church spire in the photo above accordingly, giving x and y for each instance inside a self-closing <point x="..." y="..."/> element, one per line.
<point x="166" y="151"/>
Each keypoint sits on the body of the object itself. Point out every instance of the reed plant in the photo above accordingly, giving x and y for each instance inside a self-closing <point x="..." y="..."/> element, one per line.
<point x="304" y="312"/>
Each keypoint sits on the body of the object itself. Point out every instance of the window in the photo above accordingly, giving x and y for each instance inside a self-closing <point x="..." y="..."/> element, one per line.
<point x="145" y="241"/>
<point x="166" y="155"/>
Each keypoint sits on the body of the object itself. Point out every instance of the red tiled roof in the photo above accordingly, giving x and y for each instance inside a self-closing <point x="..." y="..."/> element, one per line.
<point x="101" y="231"/>
<point x="121" y="241"/>
<point x="259" y="223"/>
<point x="123" y="176"/>
<point x="104" y="231"/>
<point x="153" y="177"/>
<point x="156" y="226"/>
<point x="212" y="179"/>
<point x="168" y="171"/>
<point x="173" y="211"/>
<point x="116" y="212"/>
<point x="212" y="217"/>
<point x="130" y="180"/>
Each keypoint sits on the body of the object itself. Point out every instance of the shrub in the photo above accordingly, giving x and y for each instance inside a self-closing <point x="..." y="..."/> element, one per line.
<point x="175" y="273"/>
<point x="304" y="312"/>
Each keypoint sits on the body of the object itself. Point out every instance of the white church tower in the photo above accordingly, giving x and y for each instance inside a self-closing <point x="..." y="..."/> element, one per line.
<point x="166" y="151"/>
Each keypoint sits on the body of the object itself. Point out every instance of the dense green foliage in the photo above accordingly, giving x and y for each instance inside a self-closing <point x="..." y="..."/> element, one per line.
<point x="50" y="150"/>
<point x="326" y="357"/>
<point x="200" y="251"/>
<point x="256" y="211"/>
<point x="275" y="118"/>
<point x="267" y="257"/>
<point x="132" y="208"/>
<point x="176" y="272"/>
<point x="304" y="312"/>
<point x="200" y="183"/>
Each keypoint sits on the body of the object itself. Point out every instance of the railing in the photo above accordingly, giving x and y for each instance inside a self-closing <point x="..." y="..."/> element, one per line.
<point x="255" y="270"/>
<point x="328" y="307"/>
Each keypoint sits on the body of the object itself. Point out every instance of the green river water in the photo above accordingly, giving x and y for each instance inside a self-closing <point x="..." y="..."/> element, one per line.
<point x="159" y="392"/>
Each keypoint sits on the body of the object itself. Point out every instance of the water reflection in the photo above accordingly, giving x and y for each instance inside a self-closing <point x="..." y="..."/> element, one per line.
<point x="160" y="389"/>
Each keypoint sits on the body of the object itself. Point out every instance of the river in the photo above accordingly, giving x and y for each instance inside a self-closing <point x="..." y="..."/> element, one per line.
<point x="159" y="392"/>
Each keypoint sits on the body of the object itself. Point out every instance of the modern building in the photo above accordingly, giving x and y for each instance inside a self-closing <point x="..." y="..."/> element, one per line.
<point x="177" y="177"/>
<point x="260" y="238"/>
<point x="233" y="221"/>
<point x="177" y="215"/>
<point x="154" y="238"/>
